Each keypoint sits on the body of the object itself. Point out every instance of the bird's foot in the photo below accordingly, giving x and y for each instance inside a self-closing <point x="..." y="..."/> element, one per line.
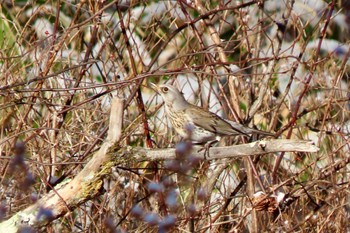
<point x="206" y="148"/>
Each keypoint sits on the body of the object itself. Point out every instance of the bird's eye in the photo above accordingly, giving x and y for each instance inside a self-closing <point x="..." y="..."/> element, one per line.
<point x="165" y="89"/>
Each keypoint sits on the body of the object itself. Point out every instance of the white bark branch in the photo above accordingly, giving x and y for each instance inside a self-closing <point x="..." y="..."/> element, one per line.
<point x="235" y="151"/>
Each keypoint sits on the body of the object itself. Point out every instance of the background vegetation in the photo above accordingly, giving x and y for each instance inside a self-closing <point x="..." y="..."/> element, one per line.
<point x="280" y="66"/>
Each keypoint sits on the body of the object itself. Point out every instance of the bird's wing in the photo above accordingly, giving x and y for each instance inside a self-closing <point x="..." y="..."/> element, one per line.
<point x="248" y="130"/>
<point x="212" y="122"/>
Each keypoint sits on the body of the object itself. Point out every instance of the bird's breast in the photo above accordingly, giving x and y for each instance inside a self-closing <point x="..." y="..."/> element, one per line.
<point x="187" y="129"/>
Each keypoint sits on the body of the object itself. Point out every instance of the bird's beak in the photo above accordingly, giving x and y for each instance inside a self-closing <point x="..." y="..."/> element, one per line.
<point x="154" y="87"/>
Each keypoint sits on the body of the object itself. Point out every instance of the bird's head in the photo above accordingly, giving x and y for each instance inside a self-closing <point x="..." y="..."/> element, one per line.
<point x="171" y="96"/>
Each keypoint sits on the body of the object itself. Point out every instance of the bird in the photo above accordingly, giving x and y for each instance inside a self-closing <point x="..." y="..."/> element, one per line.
<point x="195" y="123"/>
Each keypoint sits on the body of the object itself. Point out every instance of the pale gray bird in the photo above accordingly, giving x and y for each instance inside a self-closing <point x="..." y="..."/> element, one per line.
<point x="195" y="123"/>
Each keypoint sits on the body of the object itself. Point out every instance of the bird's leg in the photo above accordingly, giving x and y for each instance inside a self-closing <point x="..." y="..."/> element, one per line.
<point x="206" y="148"/>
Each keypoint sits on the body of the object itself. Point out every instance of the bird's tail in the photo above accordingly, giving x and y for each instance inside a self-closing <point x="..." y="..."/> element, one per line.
<point x="248" y="130"/>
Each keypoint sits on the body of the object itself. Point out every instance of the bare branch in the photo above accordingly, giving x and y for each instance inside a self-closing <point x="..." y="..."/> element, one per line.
<point x="235" y="151"/>
<point x="70" y="194"/>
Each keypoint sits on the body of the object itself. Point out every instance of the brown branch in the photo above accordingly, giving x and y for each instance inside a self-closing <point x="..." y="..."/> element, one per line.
<point x="306" y="88"/>
<point x="88" y="182"/>
<point x="70" y="194"/>
<point x="139" y="99"/>
<point x="270" y="70"/>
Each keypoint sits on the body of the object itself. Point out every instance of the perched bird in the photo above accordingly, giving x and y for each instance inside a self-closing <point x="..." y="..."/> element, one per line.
<point x="195" y="123"/>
